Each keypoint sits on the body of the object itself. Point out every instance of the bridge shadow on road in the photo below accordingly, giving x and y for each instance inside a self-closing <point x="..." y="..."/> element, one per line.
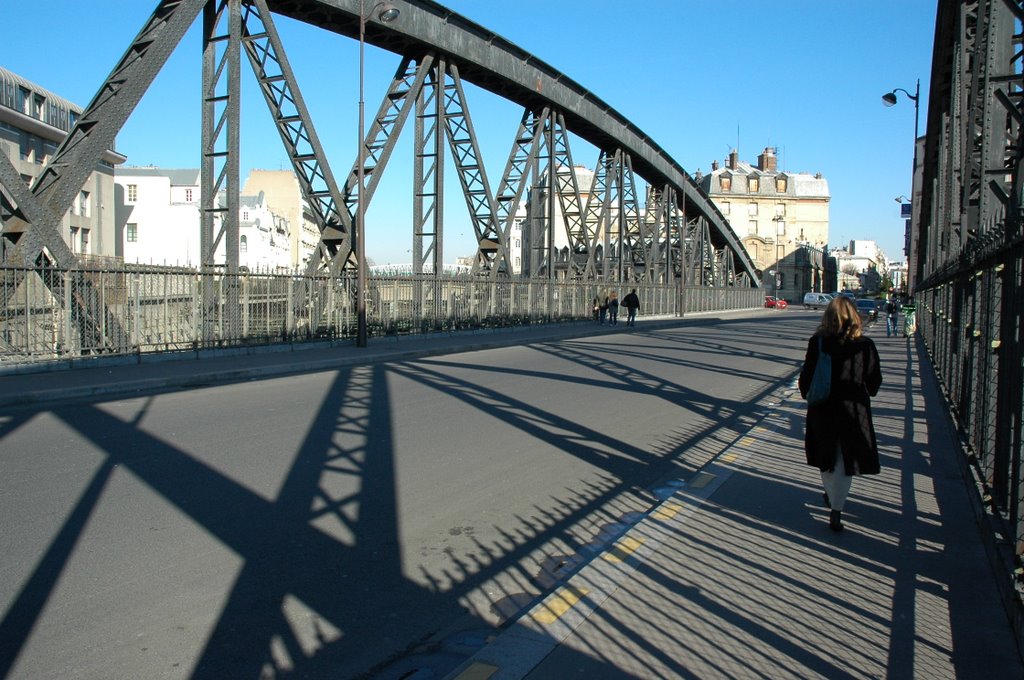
<point x="318" y="581"/>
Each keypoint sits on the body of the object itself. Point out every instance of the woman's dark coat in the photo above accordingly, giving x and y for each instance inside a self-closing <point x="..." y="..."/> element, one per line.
<point x="845" y="417"/>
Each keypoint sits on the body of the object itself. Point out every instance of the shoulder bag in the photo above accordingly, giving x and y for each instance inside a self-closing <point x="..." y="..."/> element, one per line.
<point x="821" y="382"/>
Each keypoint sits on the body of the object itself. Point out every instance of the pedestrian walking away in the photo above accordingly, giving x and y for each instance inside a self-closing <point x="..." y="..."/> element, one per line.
<point x="602" y="306"/>
<point x="892" y="310"/>
<point x="632" y="305"/>
<point x="613" y="308"/>
<point x="839" y="438"/>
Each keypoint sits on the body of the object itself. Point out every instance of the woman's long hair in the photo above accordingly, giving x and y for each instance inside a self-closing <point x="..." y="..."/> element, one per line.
<point x="841" y="320"/>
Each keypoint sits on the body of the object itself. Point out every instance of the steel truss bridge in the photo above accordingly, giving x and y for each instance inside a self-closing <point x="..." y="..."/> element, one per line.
<point x="676" y="237"/>
<point x="967" y="252"/>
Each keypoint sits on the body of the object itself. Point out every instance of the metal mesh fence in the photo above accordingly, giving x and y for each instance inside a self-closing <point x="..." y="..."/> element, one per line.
<point x="52" y="314"/>
<point x="971" y="319"/>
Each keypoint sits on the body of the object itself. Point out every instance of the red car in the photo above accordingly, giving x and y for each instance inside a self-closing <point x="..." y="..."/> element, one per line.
<point x="777" y="303"/>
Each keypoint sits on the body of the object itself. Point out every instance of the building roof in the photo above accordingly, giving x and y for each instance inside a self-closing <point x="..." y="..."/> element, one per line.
<point x="29" y="85"/>
<point x="800" y="184"/>
<point x="185" y="177"/>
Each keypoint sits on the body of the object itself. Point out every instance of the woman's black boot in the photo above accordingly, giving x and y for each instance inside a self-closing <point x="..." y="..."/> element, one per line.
<point x="835" y="520"/>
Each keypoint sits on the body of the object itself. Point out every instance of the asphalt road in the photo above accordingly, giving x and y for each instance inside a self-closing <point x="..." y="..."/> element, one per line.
<point x="328" y="524"/>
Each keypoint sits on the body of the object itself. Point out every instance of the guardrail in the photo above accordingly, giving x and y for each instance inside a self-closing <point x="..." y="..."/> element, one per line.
<point x="48" y="314"/>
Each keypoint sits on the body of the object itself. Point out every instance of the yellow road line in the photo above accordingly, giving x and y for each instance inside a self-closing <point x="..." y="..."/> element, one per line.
<point x="560" y="602"/>
<point x="701" y="480"/>
<point x="667" y="511"/>
<point x="477" y="671"/>
<point x="623" y="549"/>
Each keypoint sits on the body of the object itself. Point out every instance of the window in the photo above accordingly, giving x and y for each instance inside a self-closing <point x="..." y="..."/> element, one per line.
<point x="188" y="195"/>
<point x="27" y="147"/>
<point x="132" y="232"/>
<point x="780" y="228"/>
<point x="754" y="184"/>
<point x="752" y="209"/>
<point x="24" y="97"/>
<point x="726" y="208"/>
<point x="752" y="227"/>
<point x="85" y="242"/>
<point x="726" y="182"/>
<point x="780" y="185"/>
<point x="74" y="239"/>
<point x="243" y="244"/>
<point x="780" y="209"/>
<point x="133" y="193"/>
<point x="83" y="204"/>
<point x="38" y="107"/>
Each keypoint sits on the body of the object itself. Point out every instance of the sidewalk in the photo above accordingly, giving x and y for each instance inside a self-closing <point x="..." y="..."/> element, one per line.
<point x="737" y="575"/>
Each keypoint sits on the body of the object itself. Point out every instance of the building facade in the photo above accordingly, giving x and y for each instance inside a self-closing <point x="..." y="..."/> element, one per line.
<point x="860" y="266"/>
<point x="284" y="198"/>
<point x="33" y="124"/>
<point x="158" y="216"/>
<point x="158" y="221"/>
<point x="776" y="215"/>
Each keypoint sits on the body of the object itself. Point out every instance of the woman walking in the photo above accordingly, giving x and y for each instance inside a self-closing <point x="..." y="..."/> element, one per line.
<point x="840" y="435"/>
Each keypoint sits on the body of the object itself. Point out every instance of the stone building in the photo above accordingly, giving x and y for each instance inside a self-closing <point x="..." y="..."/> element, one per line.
<point x="284" y="197"/>
<point x="158" y="221"/>
<point x="780" y="217"/>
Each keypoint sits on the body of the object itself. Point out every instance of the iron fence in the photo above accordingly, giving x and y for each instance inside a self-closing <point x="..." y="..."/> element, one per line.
<point x="970" y="316"/>
<point x="48" y="314"/>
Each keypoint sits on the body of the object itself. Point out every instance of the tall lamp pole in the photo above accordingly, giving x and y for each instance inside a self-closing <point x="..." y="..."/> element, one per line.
<point x="387" y="13"/>
<point x="890" y="99"/>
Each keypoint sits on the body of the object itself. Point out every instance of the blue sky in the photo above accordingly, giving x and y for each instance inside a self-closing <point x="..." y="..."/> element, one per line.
<point x="700" y="78"/>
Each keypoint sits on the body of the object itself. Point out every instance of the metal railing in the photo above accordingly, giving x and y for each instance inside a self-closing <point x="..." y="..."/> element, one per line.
<point x="48" y="314"/>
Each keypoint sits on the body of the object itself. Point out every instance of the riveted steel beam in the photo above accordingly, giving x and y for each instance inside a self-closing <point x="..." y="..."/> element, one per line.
<point x="96" y="128"/>
<point x="489" y="61"/>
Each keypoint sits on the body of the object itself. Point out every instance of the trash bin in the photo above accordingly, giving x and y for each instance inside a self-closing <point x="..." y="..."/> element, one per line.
<point x="909" y="320"/>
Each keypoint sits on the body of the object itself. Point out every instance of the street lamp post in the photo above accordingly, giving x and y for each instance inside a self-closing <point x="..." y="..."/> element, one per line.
<point x="780" y="230"/>
<point x="890" y="99"/>
<point x="387" y="13"/>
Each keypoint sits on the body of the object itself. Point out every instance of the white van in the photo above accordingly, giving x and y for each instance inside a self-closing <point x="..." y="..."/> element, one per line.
<point x="816" y="300"/>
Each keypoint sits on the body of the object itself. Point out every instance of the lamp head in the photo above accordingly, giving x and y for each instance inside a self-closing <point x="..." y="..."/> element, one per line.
<point x="889" y="98"/>
<point x="388" y="13"/>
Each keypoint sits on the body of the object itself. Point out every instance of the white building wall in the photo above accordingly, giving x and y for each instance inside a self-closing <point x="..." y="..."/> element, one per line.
<point x="264" y="242"/>
<point x="157" y="225"/>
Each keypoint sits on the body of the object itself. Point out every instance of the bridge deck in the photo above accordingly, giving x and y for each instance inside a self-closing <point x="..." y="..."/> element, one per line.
<point x="736" y="573"/>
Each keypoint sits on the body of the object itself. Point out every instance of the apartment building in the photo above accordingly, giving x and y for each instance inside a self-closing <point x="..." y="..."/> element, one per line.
<point x="33" y="124"/>
<point x="158" y="218"/>
<point x="776" y="214"/>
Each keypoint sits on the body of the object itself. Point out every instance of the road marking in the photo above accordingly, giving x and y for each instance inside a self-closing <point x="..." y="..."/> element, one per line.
<point x="623" y="549"/>
<point x="478" y="671"/>
<point x="667" y="511"/>
<point x="701" y="480"/>
<point x="561" y="601"/>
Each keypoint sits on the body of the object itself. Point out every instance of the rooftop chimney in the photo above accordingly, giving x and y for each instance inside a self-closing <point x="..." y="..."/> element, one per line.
<point x="734" y="159"/>
<point x="714" y="166"/>
<point x="767" y="160"/>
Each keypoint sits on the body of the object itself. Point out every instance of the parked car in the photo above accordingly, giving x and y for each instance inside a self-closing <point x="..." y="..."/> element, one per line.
<point x="777" y="303"/>
<point x="868" y="309"/>
<point x="816" y="300"/>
